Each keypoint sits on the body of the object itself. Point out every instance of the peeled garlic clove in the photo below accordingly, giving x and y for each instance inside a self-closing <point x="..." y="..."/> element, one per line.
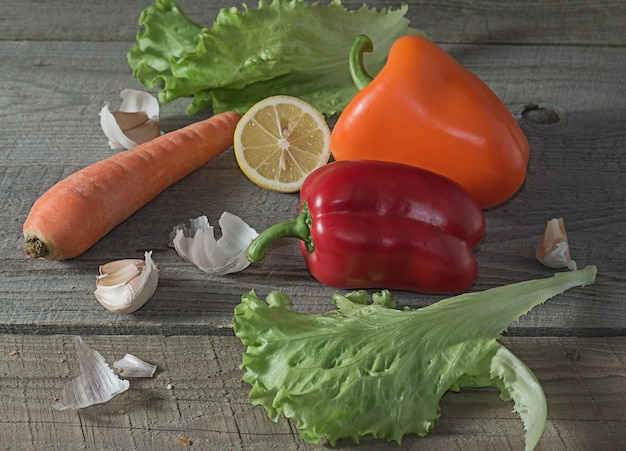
<point x="131" y="366"/>
<point x="124" y="286"/>
<point x="553" y="249"/>
<point x="198" y="245"/>
<point x="136" y="121"/>
<point x="96" y="383"/>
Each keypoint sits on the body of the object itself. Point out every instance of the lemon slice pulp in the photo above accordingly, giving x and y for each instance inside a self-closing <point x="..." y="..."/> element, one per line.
<point x="280" y="141"/>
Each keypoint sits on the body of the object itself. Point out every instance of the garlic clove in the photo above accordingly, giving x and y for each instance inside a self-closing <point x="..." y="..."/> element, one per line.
<point x="553" y="249"/>
<point x="96" y="383"/>
<point x="124" y="286"/>
<point x="133" y="101"/>
<point x="136" y="121"/>
<point x="131" y="366"/>
<point x="130" y="121"/>
<point x="112" y="130"/>
<point x="226" y="255"/>
<point x="146" y="131"/>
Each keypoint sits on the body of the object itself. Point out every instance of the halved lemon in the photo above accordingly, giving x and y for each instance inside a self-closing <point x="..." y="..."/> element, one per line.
<point x="280" y="141"/>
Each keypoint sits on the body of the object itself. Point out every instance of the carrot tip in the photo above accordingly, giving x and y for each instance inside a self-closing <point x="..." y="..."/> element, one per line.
<point x="35" y="248"/>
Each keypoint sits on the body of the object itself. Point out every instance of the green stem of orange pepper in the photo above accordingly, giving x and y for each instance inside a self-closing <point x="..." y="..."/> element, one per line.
<point x="359" y="75"/>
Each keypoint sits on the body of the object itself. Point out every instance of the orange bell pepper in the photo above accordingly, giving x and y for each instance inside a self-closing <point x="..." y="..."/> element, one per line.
<point x="425" y="109"/>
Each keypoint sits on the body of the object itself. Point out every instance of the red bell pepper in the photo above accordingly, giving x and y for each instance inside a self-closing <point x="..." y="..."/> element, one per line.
<point x="374" y="224"/>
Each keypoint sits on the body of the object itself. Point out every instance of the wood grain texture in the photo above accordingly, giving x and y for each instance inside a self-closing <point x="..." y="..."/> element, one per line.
<point x="197" y="394"/>
<point x="577" y="22"/>
<point x="558" y="66"/>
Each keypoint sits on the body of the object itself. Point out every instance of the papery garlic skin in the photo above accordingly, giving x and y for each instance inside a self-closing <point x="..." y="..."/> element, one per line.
<point x="134" y="100"/>
<point x="198" y="245"/>
<point x="112" y="130"/>
<point x="97" y="383"/>
<point x="553" y="249"/>
<point x="124" y="286"/>
<point x="131" y="366"/>
<point x="144" y="128"/>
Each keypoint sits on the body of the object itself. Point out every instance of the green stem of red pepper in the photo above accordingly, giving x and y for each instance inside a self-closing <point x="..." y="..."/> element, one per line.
<point x="298" y="228"/>
<point x="359" y="75"/>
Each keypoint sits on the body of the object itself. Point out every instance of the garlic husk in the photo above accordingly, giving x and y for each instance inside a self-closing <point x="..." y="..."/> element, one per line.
<point x="96" y="383"/>
<point x="131" y="366"/>
<point x="226" y="255"/>
<point x="124" y="286"/>
<point x="135" y="122"/>
<point x="553" y="249"/>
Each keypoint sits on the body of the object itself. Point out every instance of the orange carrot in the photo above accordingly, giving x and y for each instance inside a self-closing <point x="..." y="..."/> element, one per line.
<point x="78" y="211"/>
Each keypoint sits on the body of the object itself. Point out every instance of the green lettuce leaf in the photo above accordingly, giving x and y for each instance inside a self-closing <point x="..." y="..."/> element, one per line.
<point x="500" y="368"/>
<point x="368" y="368"/>
<point x="289" y="47"/>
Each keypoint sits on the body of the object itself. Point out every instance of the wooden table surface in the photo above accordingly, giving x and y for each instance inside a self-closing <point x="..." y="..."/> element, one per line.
<point x="558" y="66"/>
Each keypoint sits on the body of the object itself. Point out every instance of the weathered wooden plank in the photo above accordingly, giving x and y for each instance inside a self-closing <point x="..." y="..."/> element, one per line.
<point x="559" y="68"/>
<point x="577" y="22"/>
<point x="197" y="394"/>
